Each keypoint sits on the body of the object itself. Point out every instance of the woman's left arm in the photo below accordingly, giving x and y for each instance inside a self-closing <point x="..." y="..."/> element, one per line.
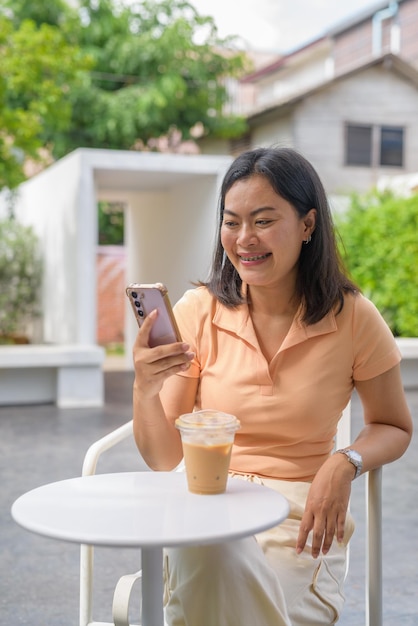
<point x="385" y="437"/>
<point x="388" y="423"/>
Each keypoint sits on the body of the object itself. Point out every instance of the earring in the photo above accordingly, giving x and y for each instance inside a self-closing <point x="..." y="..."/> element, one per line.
<point x="308" y="239"/>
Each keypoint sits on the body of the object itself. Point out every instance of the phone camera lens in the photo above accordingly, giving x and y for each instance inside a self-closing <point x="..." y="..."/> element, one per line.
<point x="140" y="313"/>
<point x="134" y="295"/>
<point x="137" y="304"/>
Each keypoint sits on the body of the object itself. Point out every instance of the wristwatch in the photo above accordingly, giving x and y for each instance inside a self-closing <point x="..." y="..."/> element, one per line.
<point x="355" y="458"/>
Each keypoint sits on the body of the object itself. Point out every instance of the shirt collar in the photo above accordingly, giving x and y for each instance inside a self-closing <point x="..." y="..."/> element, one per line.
<point x="238" y="321"/>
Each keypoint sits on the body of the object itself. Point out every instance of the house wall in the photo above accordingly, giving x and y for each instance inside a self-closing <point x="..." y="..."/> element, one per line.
<point x="316" y="126"/>
<point x="332" y="55"/>
<point x="408" y="19"/>
<point x="277" y="132"/>
<point x="297" y="72"/>
<point x="375" y="96"/>
<point x="353" y="47"/>
<point x="295" y="78"/>
<point x="214" y="146"/>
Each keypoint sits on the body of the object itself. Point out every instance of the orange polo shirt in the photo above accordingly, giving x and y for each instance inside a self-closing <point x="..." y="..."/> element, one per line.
<point x="288" y="408"/>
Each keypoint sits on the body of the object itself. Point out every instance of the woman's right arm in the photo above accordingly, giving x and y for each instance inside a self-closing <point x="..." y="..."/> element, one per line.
<point x="155" y="434"/>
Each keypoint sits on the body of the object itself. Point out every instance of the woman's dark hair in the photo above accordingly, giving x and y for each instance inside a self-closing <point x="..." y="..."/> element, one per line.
<point x="321" y="281"/>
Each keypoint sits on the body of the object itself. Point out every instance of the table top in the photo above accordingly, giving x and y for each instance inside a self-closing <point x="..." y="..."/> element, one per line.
<point x="147" y="509"/>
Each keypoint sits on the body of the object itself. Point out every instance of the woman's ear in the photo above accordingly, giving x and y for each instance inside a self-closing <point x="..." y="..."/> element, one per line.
<point x="309" y="222"/>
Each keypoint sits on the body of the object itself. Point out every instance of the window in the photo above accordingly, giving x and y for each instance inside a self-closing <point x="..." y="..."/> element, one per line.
<point x="372" y="146"/>
<point x="391" y="146"/>
<point x="359" y="145"/>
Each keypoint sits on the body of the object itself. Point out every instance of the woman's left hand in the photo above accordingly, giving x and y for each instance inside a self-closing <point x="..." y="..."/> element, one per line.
<point x="326" y="505"/>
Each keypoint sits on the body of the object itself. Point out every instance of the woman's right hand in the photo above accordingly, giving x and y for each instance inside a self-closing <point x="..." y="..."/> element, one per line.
<point x="154" y="365"/>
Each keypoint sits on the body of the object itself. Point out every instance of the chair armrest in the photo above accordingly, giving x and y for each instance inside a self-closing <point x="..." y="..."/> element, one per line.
<point x="103" y="444"/>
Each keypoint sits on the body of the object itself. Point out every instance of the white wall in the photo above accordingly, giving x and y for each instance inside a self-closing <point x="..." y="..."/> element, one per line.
<point x="170" y="222"/>
<point x="59" y="204"/>
<point x="169" y="237"/>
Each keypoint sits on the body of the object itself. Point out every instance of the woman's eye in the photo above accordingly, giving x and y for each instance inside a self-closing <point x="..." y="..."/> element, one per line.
<point x="230" y="224"/>
<point x="263" y="222"/>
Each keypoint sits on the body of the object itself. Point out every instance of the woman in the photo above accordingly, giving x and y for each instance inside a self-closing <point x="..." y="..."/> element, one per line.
<point x="279" y="337"/>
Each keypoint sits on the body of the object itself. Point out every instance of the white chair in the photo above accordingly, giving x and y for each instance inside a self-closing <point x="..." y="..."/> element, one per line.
<point x="374" y="579"/>
<point x="127" y="583"/>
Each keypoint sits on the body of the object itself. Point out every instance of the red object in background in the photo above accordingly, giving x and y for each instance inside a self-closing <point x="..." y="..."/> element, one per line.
<point x="111" y="271"/>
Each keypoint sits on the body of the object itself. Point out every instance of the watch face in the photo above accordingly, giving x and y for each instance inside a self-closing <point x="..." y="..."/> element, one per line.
<point x="355" y="457"/>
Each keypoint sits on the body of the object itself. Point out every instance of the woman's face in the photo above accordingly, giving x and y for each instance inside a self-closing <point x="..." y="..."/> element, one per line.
<point x="262" y="234"/>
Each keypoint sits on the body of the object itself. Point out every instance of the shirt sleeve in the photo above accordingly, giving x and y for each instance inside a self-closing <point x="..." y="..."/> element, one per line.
<point x="375" y="349"/>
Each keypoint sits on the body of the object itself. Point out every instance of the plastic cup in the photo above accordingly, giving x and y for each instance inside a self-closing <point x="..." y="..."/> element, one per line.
<point x="207" y="437"/>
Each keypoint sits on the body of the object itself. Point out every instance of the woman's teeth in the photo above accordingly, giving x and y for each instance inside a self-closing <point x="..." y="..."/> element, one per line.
<point x="254" y="258"/>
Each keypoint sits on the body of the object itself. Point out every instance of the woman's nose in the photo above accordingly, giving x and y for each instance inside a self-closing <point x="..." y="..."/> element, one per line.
<point x="246" y="236"/>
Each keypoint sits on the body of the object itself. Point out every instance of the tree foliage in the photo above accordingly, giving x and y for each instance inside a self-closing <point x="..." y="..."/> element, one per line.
<point x="111" y="224"/>
<point x="20" y="277"/>
<point x="109" y="74"/>
<point x="37" y="67"/>
<point x="380" y="248"/>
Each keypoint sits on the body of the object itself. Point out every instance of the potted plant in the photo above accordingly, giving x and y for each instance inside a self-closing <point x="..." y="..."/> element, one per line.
<point x="20" y="281"/>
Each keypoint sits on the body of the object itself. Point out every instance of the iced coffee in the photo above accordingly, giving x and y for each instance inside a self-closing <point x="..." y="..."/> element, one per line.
<point x="207" y="437"/>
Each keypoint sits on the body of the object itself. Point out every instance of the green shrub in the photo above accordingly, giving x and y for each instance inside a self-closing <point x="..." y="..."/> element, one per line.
<point x="20" y="278"/>
<point x="379" y="245"/>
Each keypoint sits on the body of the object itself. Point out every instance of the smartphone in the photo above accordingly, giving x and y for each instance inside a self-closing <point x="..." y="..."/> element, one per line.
<point x="146" y="298"/>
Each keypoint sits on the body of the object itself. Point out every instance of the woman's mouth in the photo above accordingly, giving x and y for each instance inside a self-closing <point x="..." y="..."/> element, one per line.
<point x="254" y="257"/>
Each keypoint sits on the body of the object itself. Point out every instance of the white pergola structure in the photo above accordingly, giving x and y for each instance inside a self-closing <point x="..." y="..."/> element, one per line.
<point x="170" y="221"/>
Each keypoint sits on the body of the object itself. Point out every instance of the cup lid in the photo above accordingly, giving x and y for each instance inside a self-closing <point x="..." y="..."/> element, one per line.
<point x="207" y="419"/>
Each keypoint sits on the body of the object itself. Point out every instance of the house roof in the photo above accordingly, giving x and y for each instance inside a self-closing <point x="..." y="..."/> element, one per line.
<point x="339" y="28"/>
<point x="389" y="61"/>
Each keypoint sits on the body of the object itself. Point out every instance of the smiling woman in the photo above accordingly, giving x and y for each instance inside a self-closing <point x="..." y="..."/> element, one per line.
<point x="279" y="337"/>
<point x="276" y="199"/>
<point x="262" y="235"/>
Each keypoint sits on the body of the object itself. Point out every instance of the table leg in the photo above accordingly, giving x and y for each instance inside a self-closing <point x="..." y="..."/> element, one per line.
<point x="152" y="587"/>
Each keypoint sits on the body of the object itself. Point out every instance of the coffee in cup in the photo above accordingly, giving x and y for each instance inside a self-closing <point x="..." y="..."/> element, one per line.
<point x="207" y="437"/>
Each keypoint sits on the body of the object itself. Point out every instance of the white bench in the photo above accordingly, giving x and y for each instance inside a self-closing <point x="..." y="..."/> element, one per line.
<point x="409" y="365"/>
<point x="67" y="375"/>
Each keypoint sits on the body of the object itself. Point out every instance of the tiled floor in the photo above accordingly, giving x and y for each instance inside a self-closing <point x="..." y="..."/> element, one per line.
<point x="39" y="577"/>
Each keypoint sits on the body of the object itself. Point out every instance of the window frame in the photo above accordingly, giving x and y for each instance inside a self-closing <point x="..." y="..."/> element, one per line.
<point x="379" y="153"/>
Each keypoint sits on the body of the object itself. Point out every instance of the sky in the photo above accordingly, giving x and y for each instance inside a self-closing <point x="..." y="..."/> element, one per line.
<point x="279" y="25"/>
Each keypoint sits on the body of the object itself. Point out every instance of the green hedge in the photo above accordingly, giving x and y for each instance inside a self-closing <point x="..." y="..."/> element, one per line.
<point x="379" y="245"/>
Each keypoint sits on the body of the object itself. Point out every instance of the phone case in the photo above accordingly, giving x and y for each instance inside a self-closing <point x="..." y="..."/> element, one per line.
<point x="146" y="298"/>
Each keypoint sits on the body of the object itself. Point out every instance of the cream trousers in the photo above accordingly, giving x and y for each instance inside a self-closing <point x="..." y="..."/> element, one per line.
<point x="258" y="581"/>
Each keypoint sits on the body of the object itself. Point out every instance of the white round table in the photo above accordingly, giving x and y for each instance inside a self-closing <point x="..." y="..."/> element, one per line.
<point x="149" y="510"/>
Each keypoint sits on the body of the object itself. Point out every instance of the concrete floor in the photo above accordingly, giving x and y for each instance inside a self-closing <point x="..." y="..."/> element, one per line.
<point x="39" y="577"/>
